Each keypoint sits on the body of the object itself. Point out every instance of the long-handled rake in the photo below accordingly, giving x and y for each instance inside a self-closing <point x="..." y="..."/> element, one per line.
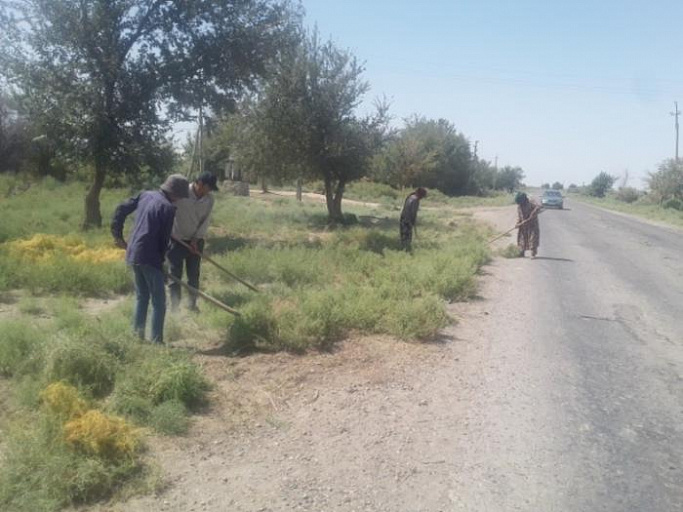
<point x="516" y="226"/>
<point x="219" y="266"/>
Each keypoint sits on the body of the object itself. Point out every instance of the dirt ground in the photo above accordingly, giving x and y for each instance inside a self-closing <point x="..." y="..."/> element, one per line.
<point x="360" y="428"/>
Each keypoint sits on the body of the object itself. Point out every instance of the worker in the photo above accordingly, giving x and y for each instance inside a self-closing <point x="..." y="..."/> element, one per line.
<point x="529" y="233"/>
<point x="147" y="246"/>
<point x="409" y="217"/>
<point x="192" y="219"/>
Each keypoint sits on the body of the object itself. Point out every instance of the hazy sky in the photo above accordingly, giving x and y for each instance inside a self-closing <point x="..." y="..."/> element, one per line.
<point x="563" y="89"/>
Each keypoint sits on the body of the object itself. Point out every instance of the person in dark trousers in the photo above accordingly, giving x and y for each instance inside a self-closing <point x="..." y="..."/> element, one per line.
<point x="192" y="219"/>
<point x="147" y="246"/>
<point x="409" y="217"/>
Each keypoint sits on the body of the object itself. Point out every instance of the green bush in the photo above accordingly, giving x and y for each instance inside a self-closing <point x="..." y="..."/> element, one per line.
<point x="42" y="473"/>
<point x="627" y="195"/>
<point x="18" y="346"/>
<point x="673" y="204"/>
<point x="170" y="418"/>
<point x="86" y="365"/>
<point x="160" y="376"/>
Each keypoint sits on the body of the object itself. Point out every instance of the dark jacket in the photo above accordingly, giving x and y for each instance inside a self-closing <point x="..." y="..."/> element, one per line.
<point x="410" y="207"/>
<point x="151" y="233"/>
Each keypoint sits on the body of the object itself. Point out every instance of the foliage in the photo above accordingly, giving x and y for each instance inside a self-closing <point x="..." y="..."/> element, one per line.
<point x="18" y="343"/>
<point x="103" y="74"/>
<point x="303" y="124"/>
<point x="88" y="366"/>
<point x="98" y="434"/>
<point x="170" y="418"/>
<point x="63" y="400"/>
<point x="42" y="472"/>
<point x="14" y="138"/>
<point x="510" y="251"/>
<point x="164" y="377"/>
<point x="645" y="207"/>
<point x="601" y="184"/>
<point x="557" y="186"/>
<point x="673" y="204"/>
<point x="509" y="179"/>
<point x="667" y="182"/>
<point x="545" y="186"/>
<point x="573" y="188"/>
<point x="426" y="153"/>
<point x="627" y="194"/>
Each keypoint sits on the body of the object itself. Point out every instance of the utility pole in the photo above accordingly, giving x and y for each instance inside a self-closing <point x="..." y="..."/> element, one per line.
<point x="676" y="114"/>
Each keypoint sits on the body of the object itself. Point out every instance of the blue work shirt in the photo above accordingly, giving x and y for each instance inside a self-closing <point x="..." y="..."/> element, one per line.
<point x="151" y="233"/>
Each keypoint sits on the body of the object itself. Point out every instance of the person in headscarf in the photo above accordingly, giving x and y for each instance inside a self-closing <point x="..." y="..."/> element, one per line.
<point x="529" y="233"/>
<point x="409" y="217"/>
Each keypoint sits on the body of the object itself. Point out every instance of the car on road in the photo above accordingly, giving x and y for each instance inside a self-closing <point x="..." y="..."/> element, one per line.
<point x="552" y="199"/>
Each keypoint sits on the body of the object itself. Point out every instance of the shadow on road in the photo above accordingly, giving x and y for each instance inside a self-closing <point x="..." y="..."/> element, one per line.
<point x="554" y="259"/>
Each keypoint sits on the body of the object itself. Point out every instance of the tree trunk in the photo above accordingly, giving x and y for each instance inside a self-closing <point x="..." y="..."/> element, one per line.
<point x="93" y="216"/>
<point x="264" y="185"/>
<point x="299" y="189"/>
<point x="333" y="198"/>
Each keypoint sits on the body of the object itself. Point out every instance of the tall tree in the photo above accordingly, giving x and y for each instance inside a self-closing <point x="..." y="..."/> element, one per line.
<point x="427" y="152"/>
<point x="509" y="178"/>
<point x="111" y="75"/>
<point x="304" y="124"/>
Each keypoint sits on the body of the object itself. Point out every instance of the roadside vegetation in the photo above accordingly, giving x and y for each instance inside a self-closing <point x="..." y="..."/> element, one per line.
<point x="89" y="93"/>
<point x="662" y="201"/>
<point x="84" y="394"/>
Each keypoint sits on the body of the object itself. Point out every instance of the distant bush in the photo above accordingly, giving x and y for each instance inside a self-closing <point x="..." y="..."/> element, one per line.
<point x="627" y="194"/>
<point x="371" y="191"/>
<point x="673" y="204"/>
<point x="667" y="182"/>
<point x="601" y="184"/>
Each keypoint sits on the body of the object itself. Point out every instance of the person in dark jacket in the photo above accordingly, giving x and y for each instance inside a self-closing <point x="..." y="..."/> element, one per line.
<point x="409" y="217"/>
<point x="147" y="246"/>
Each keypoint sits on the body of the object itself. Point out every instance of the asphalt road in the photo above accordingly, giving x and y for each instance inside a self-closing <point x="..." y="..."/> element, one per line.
<point x="579" y="403"/>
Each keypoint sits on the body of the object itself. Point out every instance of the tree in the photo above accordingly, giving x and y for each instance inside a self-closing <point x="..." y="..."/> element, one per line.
<point x="14" y="137"/>
<point x="509" y="178"/>
<point x="483" y="177"/>
<point x="428" y="153"/>
<point x="557" y="186"/>
<point x="109" y="76"/>
<point x="303" y="123"/>
<point x="601" y="184"/>
<point x="667" y="182"/>
<point x="545" y="186"/>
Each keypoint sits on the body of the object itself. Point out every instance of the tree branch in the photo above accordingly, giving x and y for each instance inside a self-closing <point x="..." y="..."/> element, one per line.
<point x="142" y="27"/>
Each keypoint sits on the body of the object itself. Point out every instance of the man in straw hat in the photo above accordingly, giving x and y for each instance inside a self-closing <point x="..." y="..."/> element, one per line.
<point x="147" y="246"/>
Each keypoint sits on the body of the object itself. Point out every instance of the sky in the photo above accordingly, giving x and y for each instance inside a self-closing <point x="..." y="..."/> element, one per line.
<point x="564" y="90"/>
